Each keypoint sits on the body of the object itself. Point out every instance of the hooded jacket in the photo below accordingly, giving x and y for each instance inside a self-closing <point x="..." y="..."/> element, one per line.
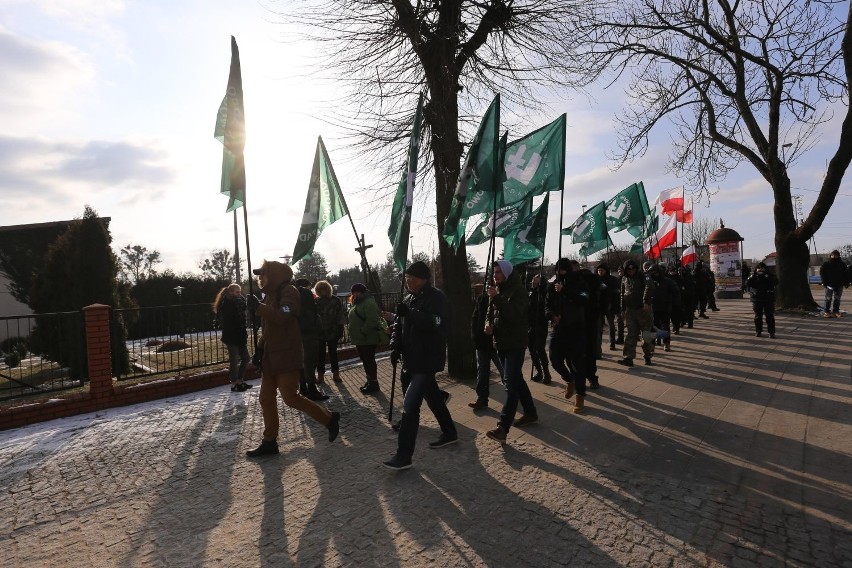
<point x="281" y="341"/>
<point x="834" y="273"/>
<point x="364" y="327"/>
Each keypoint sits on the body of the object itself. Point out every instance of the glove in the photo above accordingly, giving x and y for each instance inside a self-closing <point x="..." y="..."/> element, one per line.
<point x="252" y="302"/>
<point x="394" y="357"/>
<point x="401" y="309"/>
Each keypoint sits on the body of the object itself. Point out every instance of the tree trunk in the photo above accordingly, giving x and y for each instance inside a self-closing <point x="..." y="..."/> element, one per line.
<point x="442" y="116"/>
<point x="793" y="256"/>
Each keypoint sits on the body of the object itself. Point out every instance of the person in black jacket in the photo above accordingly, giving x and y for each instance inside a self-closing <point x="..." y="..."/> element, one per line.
<point x="761" y="287"/>
<point x="309" y="325"/>
<point x="566" y="300"/>
<point x="702" y="284"/>
<point x="835" y="277"/>
<point x="485" y="353"/>
<point x="230" y="309"/>
<point x="666" y="301"/>
<point x="593" y="322"/>
<point x="419" y="340"/>
<point x="538" y="330"/>
<point x="688" y="297"/>
<point x="610" y="299"/>
<point x="509" y="303"/>
<point x="677" y="310"/>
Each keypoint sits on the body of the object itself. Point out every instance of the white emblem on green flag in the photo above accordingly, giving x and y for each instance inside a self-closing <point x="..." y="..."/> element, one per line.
<point x="231" y="132"/>
<point x="590" y="230"/>
<point x="477" y="185"/>
<point x="323" y="206"/>
<point x="526" y="241"/>
<point x="628" y="210"/>
<point x="400" y="224"/>
<point x="535" y="163"/>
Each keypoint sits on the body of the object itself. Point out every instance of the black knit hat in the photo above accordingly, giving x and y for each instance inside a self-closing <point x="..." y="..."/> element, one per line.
<point x="419" y="270"/>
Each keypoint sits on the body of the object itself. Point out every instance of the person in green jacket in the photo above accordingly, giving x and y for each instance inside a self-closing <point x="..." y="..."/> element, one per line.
<point x="366" y="333"/>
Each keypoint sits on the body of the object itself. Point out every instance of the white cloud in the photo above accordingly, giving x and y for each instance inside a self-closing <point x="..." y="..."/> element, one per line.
<point x="40" y="79"/>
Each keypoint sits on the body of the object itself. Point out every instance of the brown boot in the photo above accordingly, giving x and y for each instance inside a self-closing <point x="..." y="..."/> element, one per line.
<point x="335" y="376"/>
<point x="578" y="404"/>
<point x="569" y="390"/>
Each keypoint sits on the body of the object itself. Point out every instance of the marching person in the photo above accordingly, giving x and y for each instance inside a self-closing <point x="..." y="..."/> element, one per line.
<point x="485" y="353"/>
<point x="610" y="299"/>
<point x="309" y="325"/>
<point x="283" y="356"/>
<point x="230" y="309"/>
<point x="419" y="340"/>
<point x="566" y="300"/>
<point x="509" y="303"/>
<point x="637" y="301"/>
<point x="538" y="329"/>
<point x="666" y="302"/>
<point x="761" y="287"/>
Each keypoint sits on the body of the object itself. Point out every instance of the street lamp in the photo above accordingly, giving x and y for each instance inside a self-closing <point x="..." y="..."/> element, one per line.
<point x="179" y="290"/>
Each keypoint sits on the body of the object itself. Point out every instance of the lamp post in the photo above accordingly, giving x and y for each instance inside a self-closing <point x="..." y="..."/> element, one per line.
<point x="179" y="290"/>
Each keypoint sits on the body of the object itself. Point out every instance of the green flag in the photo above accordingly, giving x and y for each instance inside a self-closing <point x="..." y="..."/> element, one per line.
<point x="400" y="225"/>
<point x="231" y="132"/>
<point x="628" y="210"/>
<point x="507" y="220"/>
<point x="590" y="230"/>
<point x="323" y="206"/>
<point x="535" y="163"/>
<point x="475" y="189"/>
<point x="526" y="241"/>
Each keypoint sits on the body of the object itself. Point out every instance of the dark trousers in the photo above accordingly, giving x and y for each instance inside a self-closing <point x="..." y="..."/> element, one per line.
<point x="331" y="347"/>
<point x="568" y="355"/>
<point x="620" y="319"/>
<point x="367" y="354"/>
<point x="762" y="309"/>
<point x="517" y="390"/>
<point x="484" y="357"/>
<point x="662" y="320"/>
<point x="537" y="338"/>
<point x="609" y="317"/>
<point x="417" y="388"/>
<point x="238" y="359"/>
<point x="593" y="344"/>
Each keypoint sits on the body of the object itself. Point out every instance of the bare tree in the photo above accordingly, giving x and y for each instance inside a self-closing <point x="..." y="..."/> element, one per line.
<point x="459" y="52"/>
<point x="743" y="81"/>
<point x="698" y="230"/>
<point x="137" y="262"/>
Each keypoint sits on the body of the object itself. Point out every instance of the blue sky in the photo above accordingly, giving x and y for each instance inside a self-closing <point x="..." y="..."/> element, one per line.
<point x="112" y="103"/>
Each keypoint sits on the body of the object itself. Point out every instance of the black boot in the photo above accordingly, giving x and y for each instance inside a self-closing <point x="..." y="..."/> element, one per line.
<point x="536" y="378"/>
<point x="547" y="378"/>
<point x="266" y="448"/>
<point x="370" y="386"/>
<point x="314" y="393"/>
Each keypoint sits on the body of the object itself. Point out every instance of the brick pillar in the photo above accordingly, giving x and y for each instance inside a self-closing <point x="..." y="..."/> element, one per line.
<point x="98" y="351"/>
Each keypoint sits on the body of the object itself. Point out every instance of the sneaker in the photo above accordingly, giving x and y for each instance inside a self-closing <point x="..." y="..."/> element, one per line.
<point x="526" y="419"/>
<point x="627" y="362"/>
<point x="236" y="388"/>
<point x="444" y="440"/>
<point x="447" y="396"/>
<point x="648" y="361"/>
<point x="498" y="434"/>
<point x="245" y="386"/>
<point x="837" y="314"/>
<point x="370" y="387"/>
<point x="334" y="426"/>
<point x="546" y="380"/>
<point x="536" y="378"/>
<point x="266" y="448"/>
<point x="478" y="404"/>
<point x="826" y="314"/>
<point x="398" y="463"/>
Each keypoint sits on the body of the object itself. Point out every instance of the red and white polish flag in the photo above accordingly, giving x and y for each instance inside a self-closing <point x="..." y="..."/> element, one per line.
<point x="689" y="256"/>
<point x="665" y="236"/>
<point x="671" y="201"/>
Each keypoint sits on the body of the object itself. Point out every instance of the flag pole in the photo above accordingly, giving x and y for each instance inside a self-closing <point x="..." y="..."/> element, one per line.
<point x="237" y="249"/>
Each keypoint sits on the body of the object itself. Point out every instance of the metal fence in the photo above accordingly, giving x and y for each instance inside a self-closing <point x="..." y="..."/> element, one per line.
<point x="41" y="354"/>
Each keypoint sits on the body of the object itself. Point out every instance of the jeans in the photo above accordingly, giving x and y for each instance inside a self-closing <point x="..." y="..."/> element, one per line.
<point x="288" y="384"/>
<point x="517" y="390"/>
<point x="484" y="358"/>
<point x="331" y="346"/>
<point x="238" y="358"/>
<point x="832" y="299"/>
<point x="421" y="386"/>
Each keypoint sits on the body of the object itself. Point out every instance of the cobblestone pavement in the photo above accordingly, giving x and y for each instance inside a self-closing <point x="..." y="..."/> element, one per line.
<point x="731" y="450"/>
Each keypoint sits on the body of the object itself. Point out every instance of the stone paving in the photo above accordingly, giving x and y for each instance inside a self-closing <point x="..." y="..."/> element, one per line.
<point x="731" y="450"/>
